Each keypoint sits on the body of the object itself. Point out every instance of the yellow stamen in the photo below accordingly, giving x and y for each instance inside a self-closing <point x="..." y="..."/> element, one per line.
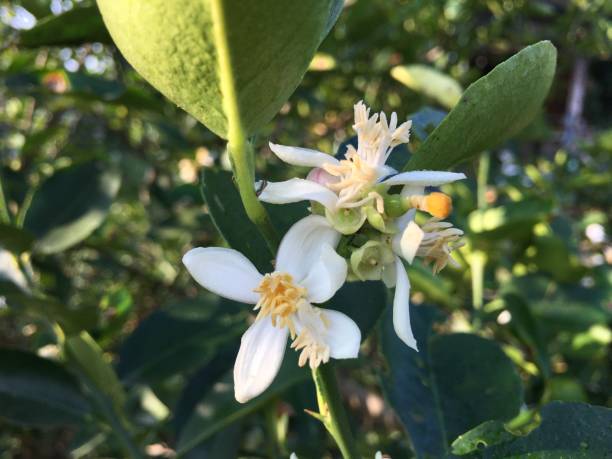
<point x="280" y="299"/>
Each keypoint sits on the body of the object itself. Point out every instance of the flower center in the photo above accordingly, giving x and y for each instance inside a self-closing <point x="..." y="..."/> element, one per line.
<point x="356" y="178"/>
<point x="280" y="299"/>
<point x="311" y="338"/>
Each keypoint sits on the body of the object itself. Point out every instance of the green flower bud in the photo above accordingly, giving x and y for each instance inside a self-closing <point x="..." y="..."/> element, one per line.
<point x="346" y="221"/>
<point x="395" y="205"/>
<point x="370" y="260"/>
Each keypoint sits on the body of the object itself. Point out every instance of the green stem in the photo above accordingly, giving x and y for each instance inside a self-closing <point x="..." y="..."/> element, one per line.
<point x="240" y="151"/>
<point x="331" y="411"/>
<point x="25" y="206"/>
<point x="5" y="216"/>
<point x="483" y="174"/>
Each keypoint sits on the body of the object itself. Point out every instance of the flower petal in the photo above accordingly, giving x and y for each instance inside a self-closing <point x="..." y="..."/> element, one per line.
<point x="343" y="335"/>
<point x="326" y="275"/>
<point x="401" y="306"/>
<point x="408" y="241"/>
<point x="302" y="156"/>
<point x="225" y="272"/>
<point x="295" y="190"/>
<point x="301" y="247"/>
<point x="424" y="178"/>
<point x="260" y="356"/>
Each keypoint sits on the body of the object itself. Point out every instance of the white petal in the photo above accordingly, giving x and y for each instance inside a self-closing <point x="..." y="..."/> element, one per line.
<point x="301" y="247"/>
<point x="408" y="241"/>
<point x="402" y="222"/>
<point x="295" y="190"/>
<point x="424" y="178"/>
<point x="302" y="156"/>
<point x="343" y="335"/>
<point x="225" y="272"/>
<point x="260" y="356"/>
<point x="410" y="190"/>
<point x="326" y="275"/>
<point x="401" y="306"/>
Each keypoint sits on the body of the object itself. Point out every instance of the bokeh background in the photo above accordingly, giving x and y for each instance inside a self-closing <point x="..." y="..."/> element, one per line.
<point x="536" y="212"/>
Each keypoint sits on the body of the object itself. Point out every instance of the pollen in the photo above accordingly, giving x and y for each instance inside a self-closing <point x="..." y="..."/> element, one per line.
<point x="355" y="179"/>
<point x="280" y="299"/>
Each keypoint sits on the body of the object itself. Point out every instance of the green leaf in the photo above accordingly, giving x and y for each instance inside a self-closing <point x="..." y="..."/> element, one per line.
<point x="179" y="338"/>
<point x="37" y="391"/>
<point x="228" y="214"/>
<point x="47" y="308"/>
<point x="568" y="430"/>
<point x="88" y="356"/>
<point x="491" y="110"/>
<point x="256" y="52"/>
<point x="219" y="408"/>
<point x="72" y="28"/>
<point x="453" y="383"/>
<point x="430" y="82"/>
<point x="70" y="205"/>
<point x="488" y="433"/>
<point x="15" y="239"/>
<point x="363" y="302"/>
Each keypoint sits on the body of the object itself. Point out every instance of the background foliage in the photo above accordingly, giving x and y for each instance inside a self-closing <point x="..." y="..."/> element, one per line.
<point x="109" y="349"/>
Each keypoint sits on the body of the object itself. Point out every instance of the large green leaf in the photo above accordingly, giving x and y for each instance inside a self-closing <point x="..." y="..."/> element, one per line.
<point x="70" y="205"/>
<point x="85" y="352"/>
<point x="75" y="27"/>
<point x="247" y="54"/>
<point x="230" y="218"/>
<point x="219" y="408"/>
<point x="179" y="338"/>
<point x="453" y="383"/>
<point x="492" y="109"/>
<point x="568" y="430"/>
<point x="37" y="391"/>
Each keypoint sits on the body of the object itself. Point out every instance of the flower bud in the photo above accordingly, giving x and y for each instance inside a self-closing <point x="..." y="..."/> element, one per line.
<point x="321" y="176"/>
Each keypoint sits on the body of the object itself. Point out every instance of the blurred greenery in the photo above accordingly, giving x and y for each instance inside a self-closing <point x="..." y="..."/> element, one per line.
<point x="109" y="349"/>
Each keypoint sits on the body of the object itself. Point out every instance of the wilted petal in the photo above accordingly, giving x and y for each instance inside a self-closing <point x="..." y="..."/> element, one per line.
<point x="424" y="178"/>
<point x="343" y="335"/>
<point x="302" y="156"/>
<point x="225" y="272"/>
<point x="401" y="306"/>
<point x="296" y="190"/>
<point x="326" y="275"/>
<point x="260" y="356"/>
<point x="301" y="247"/>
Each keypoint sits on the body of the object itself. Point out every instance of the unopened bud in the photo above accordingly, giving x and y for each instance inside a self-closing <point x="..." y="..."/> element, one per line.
<point x="437" y="204"/>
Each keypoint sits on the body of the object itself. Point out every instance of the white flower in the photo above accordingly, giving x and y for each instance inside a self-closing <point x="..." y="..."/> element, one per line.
<point x="434" y="242"/>
<point x="358" y="179"/>
<point x="308" y="270"/>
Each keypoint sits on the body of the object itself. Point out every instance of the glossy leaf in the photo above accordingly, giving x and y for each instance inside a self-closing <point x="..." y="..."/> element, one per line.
<point x="257" y="51"/>
<point x="429" y="82"/>
<point x="178" y="339"/>
<point x="488" y="433"/>
<point x="491" y="110"/>
<point x="363" y="302"/>
<point x="70" y="205"/>
<point x="219" y="408"/>
<point x="37" y="391"/>
<point x="572" y="430"/>
<point x="72" y="28"/>
<point x="453" y="383"/>
<point x="88" y="356"/>
<point x="228" y="214"/>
